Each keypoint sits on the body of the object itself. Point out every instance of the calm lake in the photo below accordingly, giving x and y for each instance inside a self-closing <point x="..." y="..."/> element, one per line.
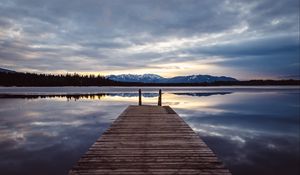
<point x="253" y="130"/>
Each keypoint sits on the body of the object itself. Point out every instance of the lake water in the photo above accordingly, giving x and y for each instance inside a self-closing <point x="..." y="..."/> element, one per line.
<point x="253" y="130"/>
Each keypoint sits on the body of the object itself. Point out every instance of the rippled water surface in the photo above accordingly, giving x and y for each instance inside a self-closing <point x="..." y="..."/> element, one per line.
<point x="253" y="130"/>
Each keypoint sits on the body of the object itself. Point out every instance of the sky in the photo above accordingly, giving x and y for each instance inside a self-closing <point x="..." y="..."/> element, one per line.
<point x="238" y="38"/>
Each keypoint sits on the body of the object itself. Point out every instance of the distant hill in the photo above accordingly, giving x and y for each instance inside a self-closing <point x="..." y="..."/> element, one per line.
<point x="153" y="78"/>
<point x="6" y="71"/>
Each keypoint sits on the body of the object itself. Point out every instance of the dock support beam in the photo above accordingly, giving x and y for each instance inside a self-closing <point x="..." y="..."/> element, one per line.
<point x="140" y="97"/>
<point x="159" y="98"/>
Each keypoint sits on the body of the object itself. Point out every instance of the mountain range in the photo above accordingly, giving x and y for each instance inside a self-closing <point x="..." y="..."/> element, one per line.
<point x="153" y="78"/>
<point x="6" y="70"/>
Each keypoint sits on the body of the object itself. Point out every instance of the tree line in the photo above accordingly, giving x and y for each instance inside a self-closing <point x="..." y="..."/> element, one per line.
<point x="33" y="79"/>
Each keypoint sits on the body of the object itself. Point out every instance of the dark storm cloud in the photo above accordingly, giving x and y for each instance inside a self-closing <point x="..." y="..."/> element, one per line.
<point x="254" y="47"/>
<point x="273" y="55"/>
<point x="268" y="10"/>
<point x="113" y="35"/>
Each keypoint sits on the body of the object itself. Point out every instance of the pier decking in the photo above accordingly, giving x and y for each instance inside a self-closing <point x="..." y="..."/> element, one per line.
<point x="149" y="140"/>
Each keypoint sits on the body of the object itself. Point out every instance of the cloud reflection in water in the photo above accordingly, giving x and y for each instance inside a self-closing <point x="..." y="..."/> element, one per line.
<point x="256" y="133"/>
<point x="252" y="132"/>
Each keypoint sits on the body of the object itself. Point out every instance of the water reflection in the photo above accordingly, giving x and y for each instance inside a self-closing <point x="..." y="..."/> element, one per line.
<point x="48" y="135"/>
<point x="253" y="132"/>
<point x="99" y="95"/>
<point x="67" y="96"/>
<point x="204" y="94"/>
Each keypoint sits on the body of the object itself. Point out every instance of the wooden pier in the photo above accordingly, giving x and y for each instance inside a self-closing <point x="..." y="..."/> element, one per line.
<point x="149" y="140"/>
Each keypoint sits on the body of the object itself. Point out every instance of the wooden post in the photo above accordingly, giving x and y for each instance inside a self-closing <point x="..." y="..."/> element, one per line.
<point x="140" y="97"/>
<point x="159" y="98"/>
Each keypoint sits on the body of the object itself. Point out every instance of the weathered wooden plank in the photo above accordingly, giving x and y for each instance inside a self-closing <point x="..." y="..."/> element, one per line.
<point x="149" y="140"/>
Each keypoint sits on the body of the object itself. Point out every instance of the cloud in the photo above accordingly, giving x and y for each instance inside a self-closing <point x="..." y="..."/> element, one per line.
<point x="254" y="47"/>
<point x="113" y="36"/>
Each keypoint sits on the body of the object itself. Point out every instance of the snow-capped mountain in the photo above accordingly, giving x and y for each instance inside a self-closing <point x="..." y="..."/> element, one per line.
<point x="145" y="78"/>
<point x="197" y="79"/>
<point x="6" y="70"/>
<point x="153" y="78"/>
